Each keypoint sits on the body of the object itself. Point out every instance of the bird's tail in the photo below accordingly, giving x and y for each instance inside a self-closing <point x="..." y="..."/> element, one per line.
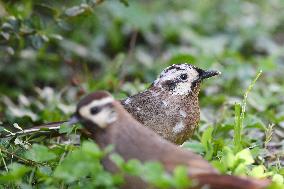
<point x="215" y="181"/>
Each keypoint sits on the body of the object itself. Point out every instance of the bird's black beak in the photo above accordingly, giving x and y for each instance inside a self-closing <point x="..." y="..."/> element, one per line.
<point x="74" y="119"/>
<point x="209" y="73"/>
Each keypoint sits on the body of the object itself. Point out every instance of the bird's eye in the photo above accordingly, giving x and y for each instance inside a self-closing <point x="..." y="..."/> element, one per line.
<point x="183" y="76"/>
<point x="94" y="110"/>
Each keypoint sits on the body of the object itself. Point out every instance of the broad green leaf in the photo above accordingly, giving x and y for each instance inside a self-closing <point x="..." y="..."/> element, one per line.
<point x="228" y="158"/>
<point x="133" y="167"/>
<point x="246" y="156"/>
<point x="65" y="128"/>
<point x="258" y="172"/>
<point x="206" y="141"/>
<point x="181" y="178"/>
<point x="278" y="178"/>
<point x="117" y="159"/>
<point x="195" y="146"/>
<point x="15" y="174"/>
<point x="92" y="149"/>
<point x="241" y="169"/>
<point x="39" y="153"/>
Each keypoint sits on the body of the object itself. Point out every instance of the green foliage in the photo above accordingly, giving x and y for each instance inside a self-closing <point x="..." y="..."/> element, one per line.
<point x="81" y="167"/>
<point x="240" y="110"/>
<point x="53" y="52"/>
<point x="154" y="173"/>
<point x="16" y="172"/>
<point x="233" y="157"/>
<point x="39" y="153"/>
<point x="206" y="141"/>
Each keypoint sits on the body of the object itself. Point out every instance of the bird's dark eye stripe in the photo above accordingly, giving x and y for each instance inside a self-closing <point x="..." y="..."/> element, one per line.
<point x="94" y="110"/>
<point x="183" y="76"/>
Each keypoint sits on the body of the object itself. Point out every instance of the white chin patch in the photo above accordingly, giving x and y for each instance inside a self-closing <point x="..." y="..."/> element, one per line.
<point x="182" y="89"/>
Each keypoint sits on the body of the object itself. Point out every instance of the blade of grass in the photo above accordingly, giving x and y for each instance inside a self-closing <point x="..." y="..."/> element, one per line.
<point x="238" y="128"/>
<point x="240" y="109"/>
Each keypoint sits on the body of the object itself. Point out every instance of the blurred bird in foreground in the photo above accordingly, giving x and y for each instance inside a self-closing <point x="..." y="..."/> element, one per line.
<point x="107" y="122"/>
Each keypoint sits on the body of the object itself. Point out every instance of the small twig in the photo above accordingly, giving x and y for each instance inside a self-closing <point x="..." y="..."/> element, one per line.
<point x="132" y="45"/>
<point x="26" y="161"/>
<point x="32" y="176"/>
<point x="132" y="42"/>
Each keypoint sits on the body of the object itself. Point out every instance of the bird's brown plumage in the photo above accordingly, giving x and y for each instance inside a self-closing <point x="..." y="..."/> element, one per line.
<point x="170" y="106"/>
<point x="132" y="141"/>
<point x="163" y="112"/>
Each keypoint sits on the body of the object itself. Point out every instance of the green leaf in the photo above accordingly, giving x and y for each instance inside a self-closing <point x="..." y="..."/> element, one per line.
<point x="16" y="173"/>
<point x="195" y="146"/>
<point x="219" y="165"/>
<point x="153" y="172"/>
<point x="117" y="159"/>
<point x="81" y="163"/>
<point x="238" y="128"/>
<point x="206" y="141"/>
<point x="44" y="171"/>
<point x="241" y="169"/>
<point x="133" y="167"/>
<point x="228" y="158"/>
<point x="278" y="178"/>
<point x="207" y="136"/>
<point x="92" y="149"/>
<point x="75" y="166"/>
<point x="246" y="156"/>
<point x="178" y="58"/>
<point x="258" y="172"/>
<point x="40" y="153"/>
<point x="65" y="128"/>
<point x="181" y="178"/>
<point x="125" y="2"/>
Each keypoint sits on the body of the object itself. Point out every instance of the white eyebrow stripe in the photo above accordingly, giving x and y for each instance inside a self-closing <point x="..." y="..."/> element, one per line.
<point x="85" y="110"/>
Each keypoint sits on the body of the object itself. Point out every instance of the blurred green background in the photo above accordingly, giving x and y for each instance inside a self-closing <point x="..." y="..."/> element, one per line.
<point x="53" y="52"/>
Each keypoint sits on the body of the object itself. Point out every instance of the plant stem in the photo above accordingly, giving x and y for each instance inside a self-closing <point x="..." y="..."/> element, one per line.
<point x="26" y="161"/>
<point x="240" y="110"/>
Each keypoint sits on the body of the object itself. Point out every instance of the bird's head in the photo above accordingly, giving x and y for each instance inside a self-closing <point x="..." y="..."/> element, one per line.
<point x="95" y="109"/>
<point x="182" y="79"/>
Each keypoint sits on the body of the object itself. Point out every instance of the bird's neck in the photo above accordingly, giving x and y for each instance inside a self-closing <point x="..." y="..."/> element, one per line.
<point x="102" y="137"/>
<point x="190" y="97"/>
